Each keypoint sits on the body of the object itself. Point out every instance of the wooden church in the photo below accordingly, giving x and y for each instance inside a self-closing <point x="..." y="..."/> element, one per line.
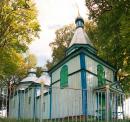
<point x="23" y="99"/>
<point x="86" y="82"/>
<point x="82" y="84"/>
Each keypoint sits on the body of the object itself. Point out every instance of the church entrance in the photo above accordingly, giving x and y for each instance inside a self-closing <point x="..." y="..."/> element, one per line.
<point x="109" y="104"/>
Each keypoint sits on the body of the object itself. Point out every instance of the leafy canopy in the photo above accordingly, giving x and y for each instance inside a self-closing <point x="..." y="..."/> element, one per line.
<point x="18" y="28"/>
<point x="112" y="35"/>
<point x="18" y="24"/>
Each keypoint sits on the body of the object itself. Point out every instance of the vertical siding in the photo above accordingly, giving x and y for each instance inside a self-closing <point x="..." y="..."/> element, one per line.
<point x="43" y="107"/>
<point x="29" y="108"/>
<point x="73" y="65"/>
<point x="109" y="74"/>
<point x="10" y="107"/>
<point x="38" y="107"/>
<point x="31" y="105"/>
<point x="92" y="67"/>
<point x="92" y="82"/>
<point x="67" y="101"/>
<point x="74" y="81"/>
<point x="13" y="106"/>
<point x="127" y="107"/>
<point x="21" y="104"/>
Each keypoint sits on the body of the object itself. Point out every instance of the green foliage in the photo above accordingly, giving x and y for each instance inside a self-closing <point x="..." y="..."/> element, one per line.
<point x="31" y="61"/>
<point x="112" y="34"/>
<point x="12" y="66"/>
<point x="18" y="28"/>
<point x="18" y="25"/>
<point x="39" y="71"/>
<point x="63" y="38"/>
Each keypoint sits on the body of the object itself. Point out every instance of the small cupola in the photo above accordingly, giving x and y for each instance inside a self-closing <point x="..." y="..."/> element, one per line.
<point x="32" y="72"/>
<point x="79" y="22"/>
<point x="44" y="78"/>
<point x="27" y="81"/>
<point x="31" y="77"/>
<point x="80" y="38"/>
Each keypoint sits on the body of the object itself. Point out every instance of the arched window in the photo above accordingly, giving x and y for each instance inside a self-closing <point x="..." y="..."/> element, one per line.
<point x="101" y="75"/>
<point x="64" y="76"/>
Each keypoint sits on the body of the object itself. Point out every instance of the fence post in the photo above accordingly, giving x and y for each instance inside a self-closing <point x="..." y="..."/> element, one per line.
<point x="107" y="102"/>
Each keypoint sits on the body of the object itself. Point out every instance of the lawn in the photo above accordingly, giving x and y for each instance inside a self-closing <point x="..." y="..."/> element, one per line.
<point x="58" y="120"/>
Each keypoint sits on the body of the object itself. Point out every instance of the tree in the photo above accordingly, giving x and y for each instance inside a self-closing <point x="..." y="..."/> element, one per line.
<point x="18" y="24"/>
<point x="12" y="67"/>
<point x="112" y="34"/>
<point x="60" y="44"/>
<point x="18" y="28"/>
<point x="31" y="61"/>
<point x="39" y="71"/>
<point x="63" y="39"/>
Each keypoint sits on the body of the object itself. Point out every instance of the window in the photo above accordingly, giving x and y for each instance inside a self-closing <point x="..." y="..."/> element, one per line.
<point x="101" y="75"/>
<point x="64" y="76"/>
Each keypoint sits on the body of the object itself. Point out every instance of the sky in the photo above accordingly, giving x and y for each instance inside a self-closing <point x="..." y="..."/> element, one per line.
<point x="52" y="15"/>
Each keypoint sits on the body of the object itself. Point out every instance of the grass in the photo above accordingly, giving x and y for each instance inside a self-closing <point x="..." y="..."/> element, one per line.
<point x="59" y="120"/>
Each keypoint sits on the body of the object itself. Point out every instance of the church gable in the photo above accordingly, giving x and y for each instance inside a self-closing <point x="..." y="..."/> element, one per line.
<point x="72" y="65"/>
<point x="98" y="73"/>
